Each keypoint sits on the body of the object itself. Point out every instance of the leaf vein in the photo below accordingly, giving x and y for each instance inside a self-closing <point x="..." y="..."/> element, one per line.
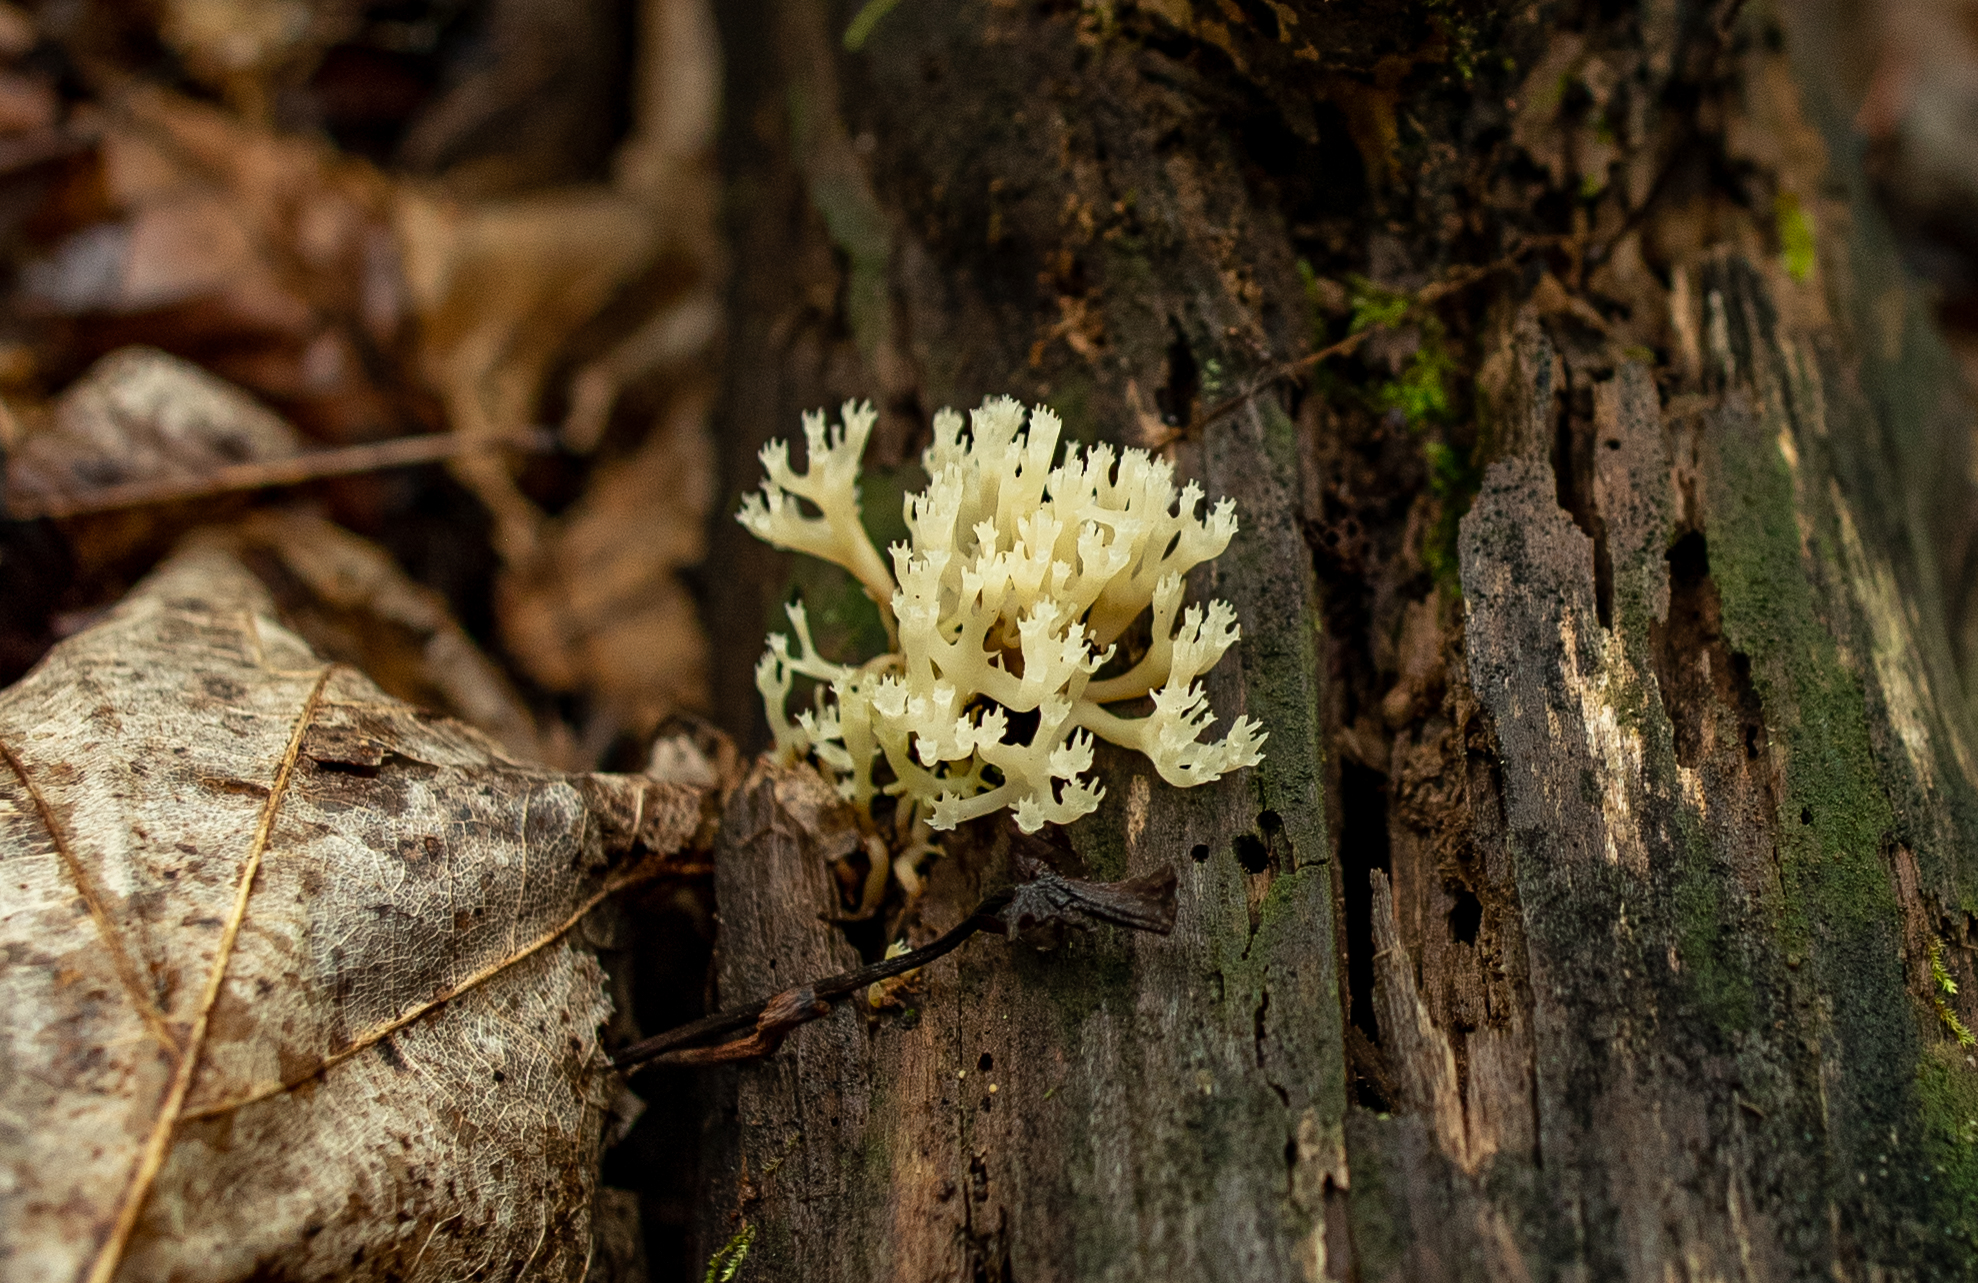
<point x="158" y="1144"/>
<point x="127" y="972"/>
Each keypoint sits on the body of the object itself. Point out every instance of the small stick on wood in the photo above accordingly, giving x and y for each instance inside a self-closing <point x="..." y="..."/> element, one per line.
<point x="1037" y="911"/>
<point x="1456" y="280"/>
<point x="796" y="1006"/>
<point x="263" y="474"/>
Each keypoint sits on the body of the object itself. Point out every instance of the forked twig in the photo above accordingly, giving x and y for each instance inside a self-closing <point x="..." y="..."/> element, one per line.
<point x="775" y="1016"/>
<point x="1037" y="911"/>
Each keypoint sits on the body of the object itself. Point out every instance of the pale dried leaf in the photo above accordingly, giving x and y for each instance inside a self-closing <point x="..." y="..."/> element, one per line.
<point x="351" y="601"/>
<point x="500" y="285"/>
<point x="237" y="45"/>
<point x="283" y="245"/>
<point x="499" y="288"/>
<point x="398" y="1073"/>
<point x="590" y="602"/>
<point x="141" y="415"/>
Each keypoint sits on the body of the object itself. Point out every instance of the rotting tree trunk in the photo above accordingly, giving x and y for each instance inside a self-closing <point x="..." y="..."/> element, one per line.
<point x="1591" y="915"/>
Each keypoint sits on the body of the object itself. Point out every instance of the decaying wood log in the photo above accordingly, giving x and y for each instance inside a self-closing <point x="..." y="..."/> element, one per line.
<point x="1603" y="908"/>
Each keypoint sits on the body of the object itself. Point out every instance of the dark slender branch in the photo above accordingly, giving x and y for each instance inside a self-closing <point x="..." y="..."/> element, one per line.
<point x="1037" y="911"/>
<point x="1458" y="279"/>
<point x="665" y="1048"/>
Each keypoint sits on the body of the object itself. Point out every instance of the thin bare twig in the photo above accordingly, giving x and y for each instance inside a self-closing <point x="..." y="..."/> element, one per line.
<point x="1036" y="911"/>
<point x="786" y="1009"/>
<point x="159" y="1143"/>
<point x="1458" y="279"/>
<point x="263" y="474"/>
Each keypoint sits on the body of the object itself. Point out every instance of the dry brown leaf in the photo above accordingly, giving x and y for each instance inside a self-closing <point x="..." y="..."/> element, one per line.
<point x="138" y="419"/>
<point x="535" y="106"/>
<point x="590" y="601"/>
<point x="499" y="288"/>
<point x="307" y="270"/>
<point x="142" y="415"/>
<point x="288" y="980"/>
<point x="281" y="249"/>
<point x="247" y="48"/>
<point x="599" y="608"/>
<point x="501" y="285"/>
<point x="350" y="601"/>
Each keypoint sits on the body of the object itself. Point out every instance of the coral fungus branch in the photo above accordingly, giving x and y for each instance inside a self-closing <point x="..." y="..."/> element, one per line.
<point x="1020" y="575"/>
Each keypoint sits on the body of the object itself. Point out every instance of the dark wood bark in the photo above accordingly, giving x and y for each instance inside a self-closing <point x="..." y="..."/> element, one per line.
<point x="1588" y="915"/>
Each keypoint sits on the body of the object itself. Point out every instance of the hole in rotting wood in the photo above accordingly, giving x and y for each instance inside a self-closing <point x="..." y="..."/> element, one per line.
<point x="1200" y="853"/>
<point x="1465" y="916"/>
<point x="1177" y="399"/>
<point x="1572" y="472"/>
<point x="1257" y="1032"/>
<point x="1363" y="847"/>
<point x="1695" y="668"/>
<point x="1251" y="852"/>
<point x="1278" y="850"/>
<point x="985" y="1062"/>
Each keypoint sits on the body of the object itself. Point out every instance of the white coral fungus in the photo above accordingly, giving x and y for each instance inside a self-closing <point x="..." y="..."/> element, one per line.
<point x="1013" y="592"/>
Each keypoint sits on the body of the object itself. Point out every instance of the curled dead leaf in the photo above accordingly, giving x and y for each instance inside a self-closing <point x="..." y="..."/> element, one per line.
<point x="142" y="415"/>
<point x="289" y="965"/>
<point x="351" y="601"/>
<point x="268" y="257"/>
<point x="598" y="287"/>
